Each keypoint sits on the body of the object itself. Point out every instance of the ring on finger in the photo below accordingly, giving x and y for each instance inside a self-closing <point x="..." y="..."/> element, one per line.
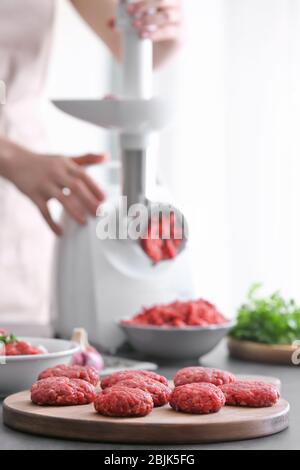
<point x="66" y="192"/>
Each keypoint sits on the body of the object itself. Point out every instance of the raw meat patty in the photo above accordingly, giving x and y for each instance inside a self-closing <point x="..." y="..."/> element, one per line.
<point x="119" y="401"/>
<point x="160" y="393"/>
<point x="190" y="375"/>
<point x="62" y="391"/>
<point x="89" y="374"/>
<point x="250" y="393"/>
<point x="197" y="398"/>
<point x="129" y="374"/>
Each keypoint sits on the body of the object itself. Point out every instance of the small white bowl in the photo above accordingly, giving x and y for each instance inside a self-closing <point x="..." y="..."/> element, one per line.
<point x="175" y="343"/>
<point x="18" y="373"/>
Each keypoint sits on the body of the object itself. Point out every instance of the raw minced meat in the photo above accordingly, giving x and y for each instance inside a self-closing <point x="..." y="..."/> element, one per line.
<point x="62" y="391"/>
<point x="203" y="374"/>
<point x="116" y="377"/>
<point x="22" y="348"/>
<point x="12" y="346"/>
<point x="89" y="374"/>
<point x="160" y="393"/>
<point x="119" y="401"/>
<point x="179" y="315"/>
<point x="254" y="394"/>
<point x="163" y="239"/>
<point x="197" y="398"/>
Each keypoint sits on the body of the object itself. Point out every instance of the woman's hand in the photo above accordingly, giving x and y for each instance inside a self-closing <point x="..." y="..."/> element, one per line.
<point x="45" y="177"/>
<point x="158" y="20"/>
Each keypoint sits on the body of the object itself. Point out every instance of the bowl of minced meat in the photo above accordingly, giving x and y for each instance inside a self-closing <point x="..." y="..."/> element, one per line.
<point x="179" y="330"/>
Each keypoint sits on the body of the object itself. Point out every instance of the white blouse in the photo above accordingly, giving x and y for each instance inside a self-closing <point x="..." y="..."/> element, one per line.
<point x="25" y="240"/>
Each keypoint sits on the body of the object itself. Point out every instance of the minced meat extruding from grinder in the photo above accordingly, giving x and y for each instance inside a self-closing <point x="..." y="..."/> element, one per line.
<point x="164" y="238"/>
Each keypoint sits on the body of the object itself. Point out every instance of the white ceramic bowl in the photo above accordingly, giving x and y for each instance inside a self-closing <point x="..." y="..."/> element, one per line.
<point x="175" y="343"/>
<point x="18" y="373"/>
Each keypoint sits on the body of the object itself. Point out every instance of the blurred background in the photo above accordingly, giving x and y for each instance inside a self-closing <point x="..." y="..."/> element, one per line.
<point x="232" y="159"/>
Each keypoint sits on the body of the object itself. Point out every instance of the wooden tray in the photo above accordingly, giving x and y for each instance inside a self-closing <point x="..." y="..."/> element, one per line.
<point x="162" y="426"/>
<point x="257" y="352"/>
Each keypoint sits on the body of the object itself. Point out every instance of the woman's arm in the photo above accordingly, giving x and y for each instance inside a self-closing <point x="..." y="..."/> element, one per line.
<point x="45" y="177"/>
<point x="167" y="21"/>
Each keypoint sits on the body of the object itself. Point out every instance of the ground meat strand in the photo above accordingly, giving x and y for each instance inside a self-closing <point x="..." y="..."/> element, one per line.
<point x="163" y="239"/>
<point x="62" y="391"/>
<point x="89" y="374"/>
<point x="197" y="398"/>
<point x="203" y="374"/>
<point x="254" y="394"/>
<point x="119" y="401"/>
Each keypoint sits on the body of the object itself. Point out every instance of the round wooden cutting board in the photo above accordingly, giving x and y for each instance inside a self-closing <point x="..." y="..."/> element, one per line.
<point x="257" y="352"/>
<point x="162" y="426"/>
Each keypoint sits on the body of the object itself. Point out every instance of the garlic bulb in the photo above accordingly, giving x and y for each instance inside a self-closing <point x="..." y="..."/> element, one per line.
<point x="88" y="356"/>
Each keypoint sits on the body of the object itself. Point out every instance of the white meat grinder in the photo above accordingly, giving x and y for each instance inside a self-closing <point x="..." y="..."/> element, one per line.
<point x="99" y="281"/>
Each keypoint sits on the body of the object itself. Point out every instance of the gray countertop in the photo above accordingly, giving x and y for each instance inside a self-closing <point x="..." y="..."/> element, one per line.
<point x="289" y="439"/>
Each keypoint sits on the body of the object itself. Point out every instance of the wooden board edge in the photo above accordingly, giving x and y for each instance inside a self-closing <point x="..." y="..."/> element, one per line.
<point x="106" y="432"/>
<point x="264" y="353"/>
